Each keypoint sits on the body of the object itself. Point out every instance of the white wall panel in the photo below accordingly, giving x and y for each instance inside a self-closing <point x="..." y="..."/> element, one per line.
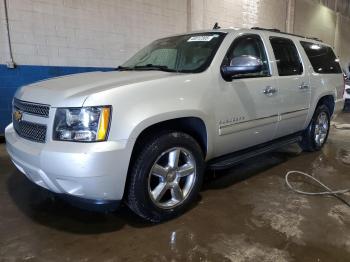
<point x="88" y="33"/>
<point x="106" y="32"/>
<point x="239" y="13"/>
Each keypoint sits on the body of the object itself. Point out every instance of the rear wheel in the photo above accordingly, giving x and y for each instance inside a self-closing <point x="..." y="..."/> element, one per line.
<point x="165" y="177"/>
<point x="315" y="136"/>
<point x="346" y="107"/>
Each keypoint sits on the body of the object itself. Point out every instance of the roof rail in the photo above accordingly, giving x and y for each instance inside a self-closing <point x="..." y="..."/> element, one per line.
<point x="274" y="30"/>
<point x="267" y="29"/>
<point x="314" y="38"/>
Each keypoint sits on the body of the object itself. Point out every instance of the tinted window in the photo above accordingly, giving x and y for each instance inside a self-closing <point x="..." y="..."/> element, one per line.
<point x="287" y="57"/>
<point x="249" y="45"/>
<point x="322" y="58"/>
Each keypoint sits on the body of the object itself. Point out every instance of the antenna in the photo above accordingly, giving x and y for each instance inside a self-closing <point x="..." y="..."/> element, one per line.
<point x="216" y="26"/>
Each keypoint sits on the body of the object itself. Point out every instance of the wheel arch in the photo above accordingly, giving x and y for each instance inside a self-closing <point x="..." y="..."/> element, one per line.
<point x="192" y="125"/>
<point x="327" y="100"/>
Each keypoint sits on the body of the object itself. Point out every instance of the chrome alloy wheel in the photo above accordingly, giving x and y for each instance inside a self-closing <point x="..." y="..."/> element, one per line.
<point x="321" y="128"/>
<point x="172" y="178"/>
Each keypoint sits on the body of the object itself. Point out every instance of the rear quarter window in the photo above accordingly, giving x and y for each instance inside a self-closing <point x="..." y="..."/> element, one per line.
<point x="322" y="58"/>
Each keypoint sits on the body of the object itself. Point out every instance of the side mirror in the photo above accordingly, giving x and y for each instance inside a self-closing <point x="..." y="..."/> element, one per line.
<point x="241" y="65"/>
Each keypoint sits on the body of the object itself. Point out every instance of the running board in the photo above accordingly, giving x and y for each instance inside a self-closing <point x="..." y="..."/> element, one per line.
<point x="235" y="158"/>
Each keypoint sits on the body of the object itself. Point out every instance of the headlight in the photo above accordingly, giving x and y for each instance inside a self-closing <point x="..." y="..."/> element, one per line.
<point x="86" y="124"/>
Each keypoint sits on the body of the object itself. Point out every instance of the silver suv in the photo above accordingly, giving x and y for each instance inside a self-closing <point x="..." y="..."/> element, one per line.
<point x="145" y="134"/>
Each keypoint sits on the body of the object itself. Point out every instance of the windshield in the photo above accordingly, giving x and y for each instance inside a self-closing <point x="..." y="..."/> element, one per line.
<point x="186" y="53"/>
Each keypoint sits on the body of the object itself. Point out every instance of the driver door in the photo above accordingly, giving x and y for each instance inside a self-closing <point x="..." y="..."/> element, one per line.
<point x="247" y="114"/>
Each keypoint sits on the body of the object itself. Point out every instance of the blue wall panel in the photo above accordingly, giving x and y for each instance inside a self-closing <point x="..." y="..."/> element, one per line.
<point x="11" y="79"/>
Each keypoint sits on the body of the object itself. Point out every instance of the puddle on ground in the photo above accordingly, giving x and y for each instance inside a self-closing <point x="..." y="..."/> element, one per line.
<point x="239" y="248"/>
<point x="344" y="156"/>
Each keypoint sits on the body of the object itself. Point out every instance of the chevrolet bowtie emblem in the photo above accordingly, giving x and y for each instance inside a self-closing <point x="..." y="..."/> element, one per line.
<point x="18" y="115"/>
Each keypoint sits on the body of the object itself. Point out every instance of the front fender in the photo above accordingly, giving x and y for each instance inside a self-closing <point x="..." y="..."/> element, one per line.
<point x="140" y="105"/>
<point x="172" y="115"/>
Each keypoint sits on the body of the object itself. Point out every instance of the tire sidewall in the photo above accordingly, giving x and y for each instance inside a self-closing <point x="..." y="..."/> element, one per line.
<point x="318" y="111"/>
<point x="149" y="156"/>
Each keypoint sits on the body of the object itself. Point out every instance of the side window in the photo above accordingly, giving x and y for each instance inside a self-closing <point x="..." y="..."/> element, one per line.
<point x="322" y="58"/>
<point x="287" y="57"/>
<point x="249" y="45"/>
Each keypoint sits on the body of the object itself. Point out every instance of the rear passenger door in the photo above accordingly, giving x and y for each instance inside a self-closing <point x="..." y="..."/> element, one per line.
<point x="293" y="85"/>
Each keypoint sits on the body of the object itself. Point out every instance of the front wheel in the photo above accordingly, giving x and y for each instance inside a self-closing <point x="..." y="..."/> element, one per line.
<point x="165" y="176"/>
<point x="315" y="136"/>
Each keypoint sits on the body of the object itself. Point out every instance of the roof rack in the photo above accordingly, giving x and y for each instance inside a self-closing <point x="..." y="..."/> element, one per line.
<point x="267" y="29"/>
<point x="274" y="30"/>
<point x="314" y="38"/>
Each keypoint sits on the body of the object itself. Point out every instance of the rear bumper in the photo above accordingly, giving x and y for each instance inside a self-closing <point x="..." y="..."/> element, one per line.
<point x="92" y="171"/>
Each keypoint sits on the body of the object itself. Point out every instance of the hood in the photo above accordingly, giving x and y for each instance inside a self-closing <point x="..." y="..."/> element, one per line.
<point x="72" y="90"/>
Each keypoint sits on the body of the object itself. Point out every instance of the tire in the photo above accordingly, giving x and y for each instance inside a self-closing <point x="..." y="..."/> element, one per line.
<point x="315" y="136"/>
<point x="346" y="105"/>
<point x="154" y="178"/>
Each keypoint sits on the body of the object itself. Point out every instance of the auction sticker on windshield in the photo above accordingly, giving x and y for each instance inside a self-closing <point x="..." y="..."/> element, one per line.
<point x="201" y="38"/>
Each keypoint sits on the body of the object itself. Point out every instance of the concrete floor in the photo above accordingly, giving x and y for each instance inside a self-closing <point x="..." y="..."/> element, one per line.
<point x="243" y="214"/>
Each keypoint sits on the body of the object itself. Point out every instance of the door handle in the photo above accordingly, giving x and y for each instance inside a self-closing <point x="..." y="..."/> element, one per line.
<point x="303" y="86"/>
<point x="269" y="91"/>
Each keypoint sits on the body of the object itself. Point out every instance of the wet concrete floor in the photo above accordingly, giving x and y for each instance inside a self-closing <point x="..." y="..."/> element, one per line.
<point x="243" y="214"/>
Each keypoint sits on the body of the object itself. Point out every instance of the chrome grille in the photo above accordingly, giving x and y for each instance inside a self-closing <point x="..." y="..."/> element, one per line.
<point x="32" y="108"/>
<point x="31" y="131"/>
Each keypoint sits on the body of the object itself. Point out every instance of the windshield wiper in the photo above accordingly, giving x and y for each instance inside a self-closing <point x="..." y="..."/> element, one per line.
<point x="121" y="68"/>
<point x="146" y="67"/>
<point x="154" y="67"/>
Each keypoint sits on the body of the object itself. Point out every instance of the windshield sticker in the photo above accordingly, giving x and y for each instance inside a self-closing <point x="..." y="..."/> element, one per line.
<point x="201" y="38"/>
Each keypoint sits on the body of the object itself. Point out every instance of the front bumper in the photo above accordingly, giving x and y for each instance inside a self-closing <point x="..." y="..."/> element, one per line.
<point x="93" y="171"/>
